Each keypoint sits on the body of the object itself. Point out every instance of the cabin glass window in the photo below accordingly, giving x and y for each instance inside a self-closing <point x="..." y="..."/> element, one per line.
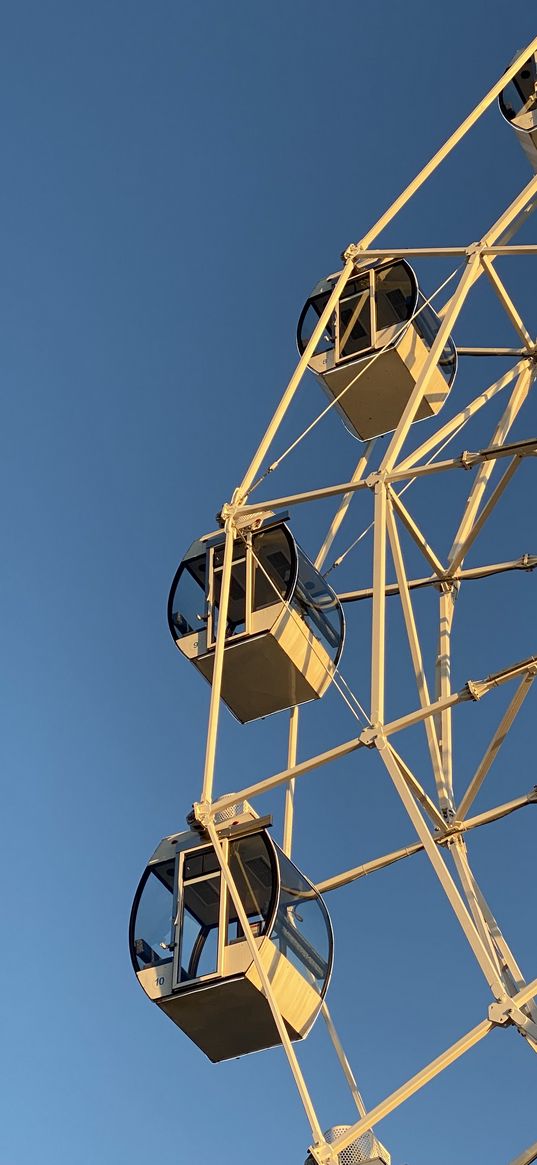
<point x="427" y="325"/>
<point x="252" y="869"/>
<point x="154" y="918"/>
<point x="394" y="300"/>
<point x="354" y="318"/>
<point x="236" y="613"/>
<point x="520" y="95"/>
<point x="317" y="605"/>
<point x="302" y="929"/>
<point x="309" y="321"/>
<point x="262" y="574"/>
<point x="188" y="601"/>
<point x="273" y="565"/>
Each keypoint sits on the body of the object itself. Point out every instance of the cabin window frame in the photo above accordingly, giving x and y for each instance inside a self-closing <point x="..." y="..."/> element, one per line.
<point x="267" y="923"/>
<point x="178" y="984"/>
<point x="152" y="870"/>
<point x="528" y="108"/>
<point x="338" y="341"/>
<point x="223" y="938"/>
<point x="252" y="560"/>
<point x="342" y="335"/>
<point x="211" y="609"/>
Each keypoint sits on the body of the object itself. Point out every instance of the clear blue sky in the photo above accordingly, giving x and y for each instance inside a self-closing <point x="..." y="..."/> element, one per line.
<point x="175" y="178"/>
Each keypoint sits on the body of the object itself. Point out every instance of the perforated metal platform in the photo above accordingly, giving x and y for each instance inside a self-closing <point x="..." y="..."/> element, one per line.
<point x="366" y="1150"/>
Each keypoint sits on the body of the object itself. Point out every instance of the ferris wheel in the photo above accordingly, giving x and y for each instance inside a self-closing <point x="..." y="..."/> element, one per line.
<point x="229" y="938"/>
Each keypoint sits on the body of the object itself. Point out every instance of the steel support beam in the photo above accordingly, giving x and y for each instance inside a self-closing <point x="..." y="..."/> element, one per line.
<point x="527" y="562"/>
<point x="216" y="685"/>
<point x="247" y="482"/>
<point x="517" y="398"/>
<point x="498" y="739"/>
<point x="417" y="662"/>
<point x="378" y="618"/>
<point x="466" y="460"/>
<point x="462" y="416"/>
<point x="446" y="881"/>
<point x="454" y="1052"/>
<point x="413" y="1085"/>
<point x="443" y="152"/>
<point x="407" y="851"/>
<point x="265" y="981"/>
<point x="289" y="810"/>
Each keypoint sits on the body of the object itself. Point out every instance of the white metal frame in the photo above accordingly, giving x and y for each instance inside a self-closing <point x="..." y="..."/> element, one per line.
<point x="513" y="998"/>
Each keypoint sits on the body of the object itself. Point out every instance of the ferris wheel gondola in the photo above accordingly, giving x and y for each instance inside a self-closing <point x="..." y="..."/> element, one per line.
<point x="285" y="625"/>
<point x="192" y="957"/>
<point x="375" y="346"/>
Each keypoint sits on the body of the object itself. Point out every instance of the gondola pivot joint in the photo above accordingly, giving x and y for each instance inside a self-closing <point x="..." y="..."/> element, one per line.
<point x="322" y="1154"/>
<point x="200" y="815"/>
<point x="351" y="252"/>
<point x="227" y="513"/>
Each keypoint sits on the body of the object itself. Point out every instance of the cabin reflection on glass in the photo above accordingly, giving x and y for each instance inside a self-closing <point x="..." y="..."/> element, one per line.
<point x="374" y="348"/>
<point x="518" y="103"/>
<point x="285" y="625"/>
<point x="191" y="955"/>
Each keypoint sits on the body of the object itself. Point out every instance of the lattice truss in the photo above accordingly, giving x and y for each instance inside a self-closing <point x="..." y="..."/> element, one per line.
<point x="442" y="822"/>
